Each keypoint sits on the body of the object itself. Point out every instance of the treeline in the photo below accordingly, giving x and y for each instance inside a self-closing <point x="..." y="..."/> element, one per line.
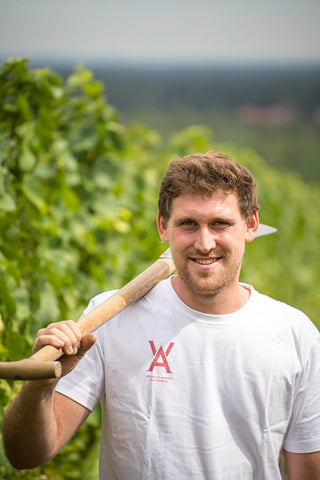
<point x="78" y="196"/>
<point x="203" y="88"/>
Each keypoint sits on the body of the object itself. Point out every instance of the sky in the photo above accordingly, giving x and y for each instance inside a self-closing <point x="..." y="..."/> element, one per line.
<point x="162" y="31"/>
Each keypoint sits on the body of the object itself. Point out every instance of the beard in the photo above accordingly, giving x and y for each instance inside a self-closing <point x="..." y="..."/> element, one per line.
<point x="207" y="282"/>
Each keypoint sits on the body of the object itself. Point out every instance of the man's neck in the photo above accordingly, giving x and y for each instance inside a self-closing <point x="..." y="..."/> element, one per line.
<point x="225" y="301"/>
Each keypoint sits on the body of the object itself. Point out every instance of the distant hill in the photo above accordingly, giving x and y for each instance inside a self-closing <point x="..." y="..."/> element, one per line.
<point x="275" y="110"/>
<point x="221" y="87"/>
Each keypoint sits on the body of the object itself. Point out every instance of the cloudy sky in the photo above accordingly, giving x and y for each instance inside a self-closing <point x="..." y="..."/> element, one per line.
<point x="139" y="31"/>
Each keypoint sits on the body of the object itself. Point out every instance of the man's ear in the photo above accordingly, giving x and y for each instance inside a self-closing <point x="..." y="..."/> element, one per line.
<point x="162" y="228"/>
<point x="252" y="227"/>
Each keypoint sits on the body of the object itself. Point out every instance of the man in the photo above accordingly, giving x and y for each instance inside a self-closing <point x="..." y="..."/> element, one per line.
<point x="203" y="378"/>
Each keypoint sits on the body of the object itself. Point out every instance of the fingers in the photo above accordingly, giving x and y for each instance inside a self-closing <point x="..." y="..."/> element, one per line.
<point x="65" y="335"/>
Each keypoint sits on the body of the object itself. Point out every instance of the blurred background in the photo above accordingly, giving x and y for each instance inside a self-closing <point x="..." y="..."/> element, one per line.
<point x="249" y="70"/>
<point x="95" y="98"/>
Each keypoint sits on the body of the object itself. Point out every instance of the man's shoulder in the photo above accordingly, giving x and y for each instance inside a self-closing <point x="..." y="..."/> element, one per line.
<point x="264" y="300"/>
<point x="160" y="290"/>
<point x="98" y="299"/>
<point x="282" y="313"/>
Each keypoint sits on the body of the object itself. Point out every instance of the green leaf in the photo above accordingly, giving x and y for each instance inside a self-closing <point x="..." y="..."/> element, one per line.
<point x="48" y="311"/>
<point x="16" y="345"/>
<point x="7" y="195"/>
<point x="7" y="202"/>
<point x="6" y="299"/>
<point x="93" y="89"/>
<point x="21" y="296"/>
<point x="33" y="193"/>
<point x="27" y="159"/>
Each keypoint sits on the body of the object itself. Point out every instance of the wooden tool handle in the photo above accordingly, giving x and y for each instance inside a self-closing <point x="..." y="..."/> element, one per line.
<point x="128" y="294"/>
<point x="29" y="369"/>
<point x="34" y="368"/>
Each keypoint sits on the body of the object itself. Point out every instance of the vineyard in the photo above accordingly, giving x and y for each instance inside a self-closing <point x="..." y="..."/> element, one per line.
<point x="78" y="199"/>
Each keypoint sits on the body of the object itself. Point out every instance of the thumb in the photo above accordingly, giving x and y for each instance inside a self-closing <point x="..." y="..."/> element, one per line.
<point x="69" y="362"/>
<point x="87" y="341"/>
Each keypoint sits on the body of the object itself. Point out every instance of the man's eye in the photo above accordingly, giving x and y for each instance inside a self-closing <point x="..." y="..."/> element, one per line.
<point x="188" y="223"/>
<point x="220" y="223"/>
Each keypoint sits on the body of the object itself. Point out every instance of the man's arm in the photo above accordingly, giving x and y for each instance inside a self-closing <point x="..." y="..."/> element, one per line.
<point x="303" y="466"/>
<point x="38" y="424"/>
<point x="40" y="421"/>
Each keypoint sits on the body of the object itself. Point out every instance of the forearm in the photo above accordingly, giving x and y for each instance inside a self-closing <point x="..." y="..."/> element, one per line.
<point x="303" y="466"/>
<point x="39" y="422"/>
<point x="30" y="430"/>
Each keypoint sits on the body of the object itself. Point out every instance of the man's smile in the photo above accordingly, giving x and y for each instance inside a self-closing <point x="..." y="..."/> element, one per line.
<point x="206" y="261"/>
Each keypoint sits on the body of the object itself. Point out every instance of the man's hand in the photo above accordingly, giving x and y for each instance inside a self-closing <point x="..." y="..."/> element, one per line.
<point x="40" y="421"/>
<point x="67" y="336"/>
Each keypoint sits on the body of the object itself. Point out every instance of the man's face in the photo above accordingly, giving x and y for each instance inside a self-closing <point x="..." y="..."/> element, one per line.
<point x="207" y="237"/>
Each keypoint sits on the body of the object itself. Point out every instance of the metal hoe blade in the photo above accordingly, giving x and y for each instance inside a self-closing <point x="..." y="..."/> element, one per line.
<point x="265" y="230"/>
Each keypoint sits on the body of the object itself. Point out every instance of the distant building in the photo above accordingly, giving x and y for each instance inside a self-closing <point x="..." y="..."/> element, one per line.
<point x="276" y="114"/>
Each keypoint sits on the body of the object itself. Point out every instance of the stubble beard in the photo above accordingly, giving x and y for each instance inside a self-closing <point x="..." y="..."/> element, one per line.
<point x="207" y="283"/>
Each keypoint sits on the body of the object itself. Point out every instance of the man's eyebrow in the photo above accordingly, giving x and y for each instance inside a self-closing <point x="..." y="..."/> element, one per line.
<point x="179" y="220"/>
<point x="190" y="218"/>
<point x="225" y="219"/>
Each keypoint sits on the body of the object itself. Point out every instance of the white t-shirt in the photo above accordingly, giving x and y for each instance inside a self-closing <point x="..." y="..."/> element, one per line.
<point x="187" y="395"/>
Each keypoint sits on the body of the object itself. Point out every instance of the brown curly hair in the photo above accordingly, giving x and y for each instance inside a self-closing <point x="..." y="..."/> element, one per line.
<point x="203" y="174"/>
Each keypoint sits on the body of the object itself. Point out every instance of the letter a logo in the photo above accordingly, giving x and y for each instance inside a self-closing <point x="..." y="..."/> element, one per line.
<point x="160" y="354"/>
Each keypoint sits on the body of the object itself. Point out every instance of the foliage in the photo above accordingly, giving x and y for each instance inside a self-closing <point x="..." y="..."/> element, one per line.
<point x="73" y="184"/>
<point x="78" y="195"/>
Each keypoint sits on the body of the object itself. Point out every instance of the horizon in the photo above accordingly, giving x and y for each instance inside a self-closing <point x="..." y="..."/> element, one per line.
<point x="175" y="32"/>
<point x="165" y="65"/>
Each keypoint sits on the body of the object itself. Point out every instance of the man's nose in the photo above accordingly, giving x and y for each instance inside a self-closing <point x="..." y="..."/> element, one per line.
<point x="205" y="240"/>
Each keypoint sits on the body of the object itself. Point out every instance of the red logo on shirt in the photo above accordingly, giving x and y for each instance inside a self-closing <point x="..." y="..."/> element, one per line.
<point x="160" y="354"/>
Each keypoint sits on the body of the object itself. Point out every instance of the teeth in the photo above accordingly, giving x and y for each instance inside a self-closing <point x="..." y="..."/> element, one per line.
<point x="206" y="261"/>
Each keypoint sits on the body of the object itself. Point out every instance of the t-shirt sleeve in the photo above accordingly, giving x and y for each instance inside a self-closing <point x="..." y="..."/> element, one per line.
<point x="303" y="434"/>
<point x="85" y="384"/>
